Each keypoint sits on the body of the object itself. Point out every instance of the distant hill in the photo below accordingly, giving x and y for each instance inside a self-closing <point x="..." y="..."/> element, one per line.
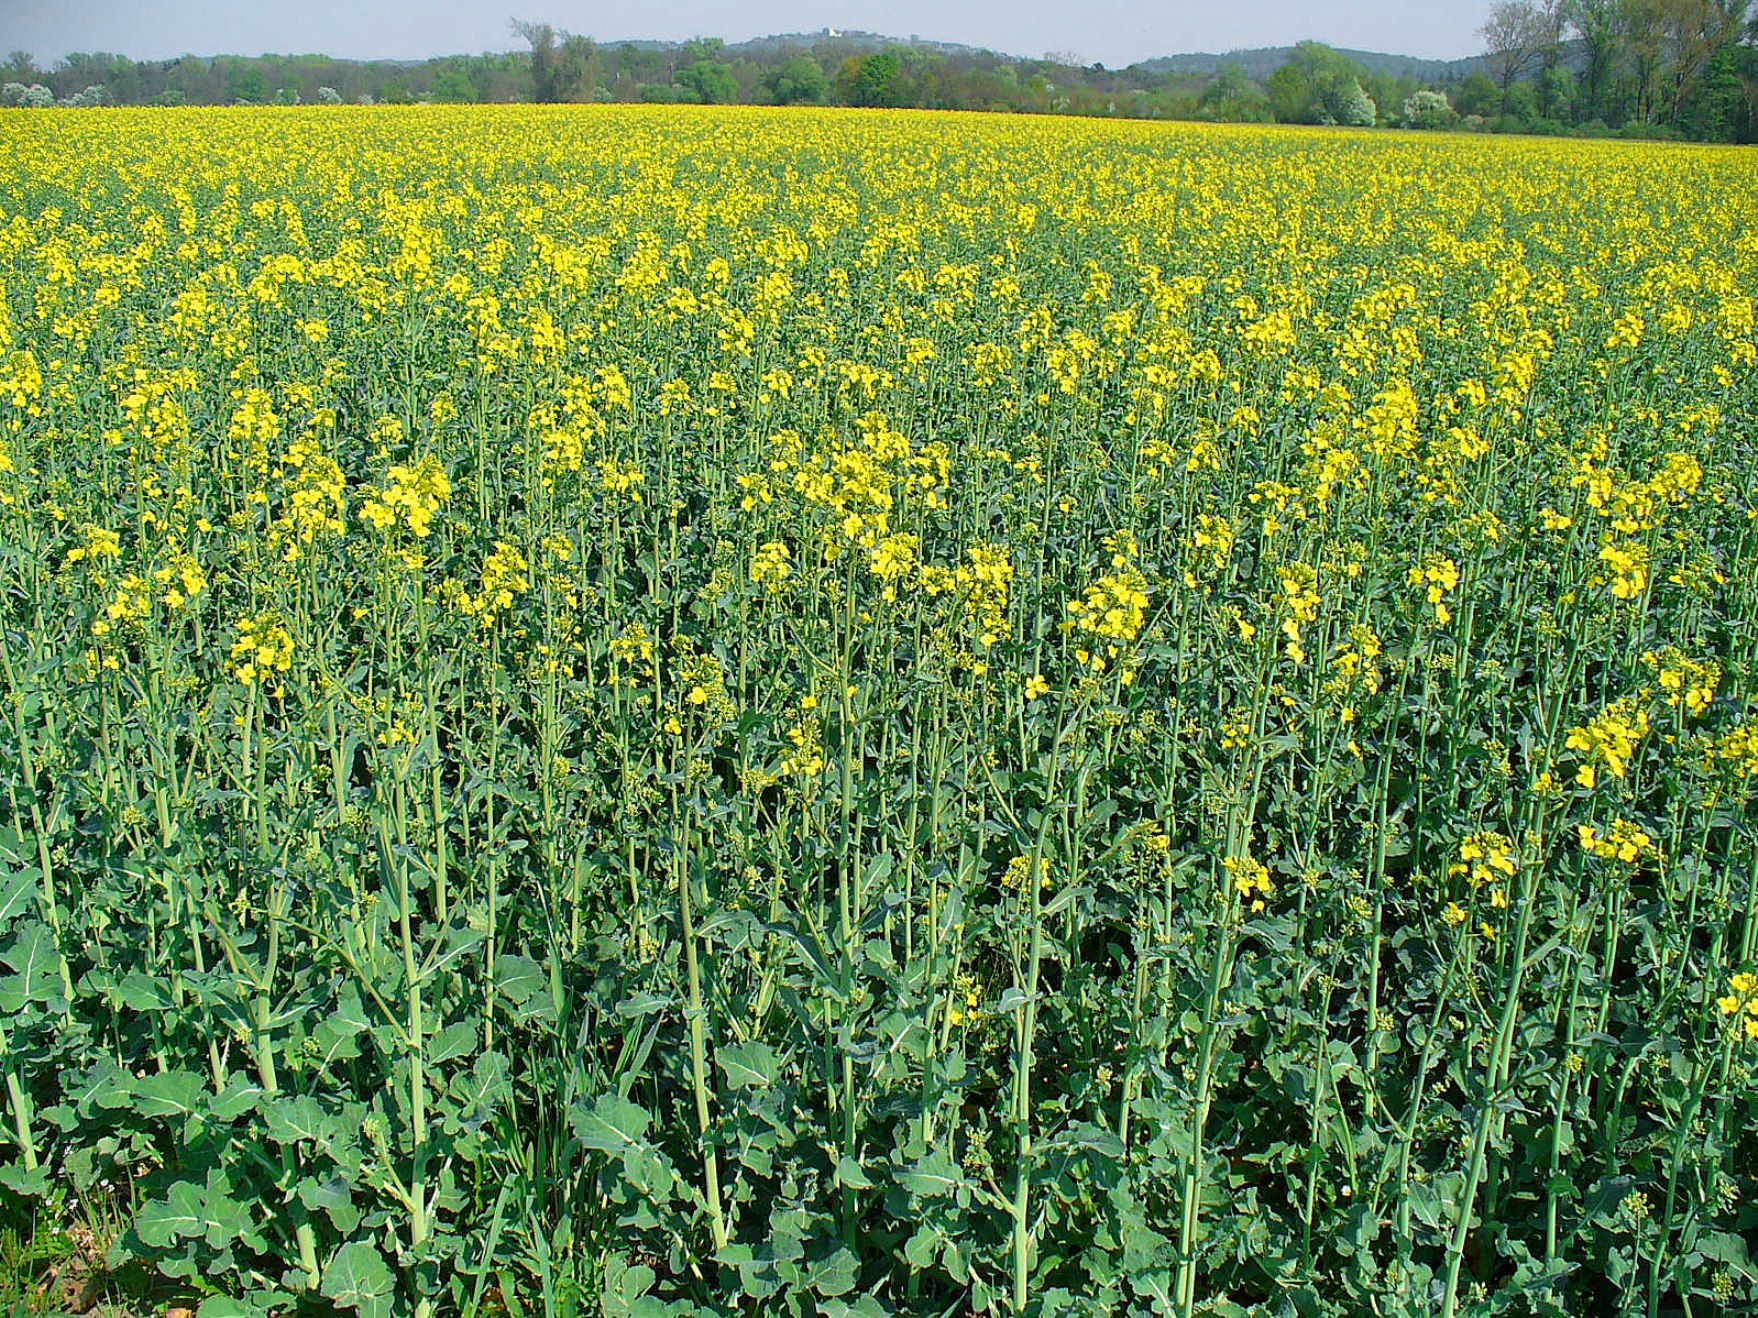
<point x="1262" y="61"/>
<point x="856" y="41"/>
<point x="1258" y="63"/>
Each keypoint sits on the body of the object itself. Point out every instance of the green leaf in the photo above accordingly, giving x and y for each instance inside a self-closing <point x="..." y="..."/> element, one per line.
<point x="241" y="1096"/>
<point x="32" y="954"/>
<point x="865" y="1306"/>
<point x="852" y="1174"/>
<point x="1425" y="1203"/>
<point x="613" y="1124"/>
<point x="453" y="1042"/>
<point x="357" y="1278"/>
<point x="1723" y="1247"/>
<point x="1156" y="1288"/>
<point x="16" y="891"/>
<point x="834" y="1274"/>
<point x="1603" y="1199"/>
<point x="336" y="1033"/>
<point x="931" y="1176"/>
<point x="180" y="1213"/>
<point x="1012" y="1000"/>
<point x="518" y="979"/>
<point x="332" y="1198"/>
<point x="289" y="1120"/>
<point x="625" y="1286"/>
<point x="224" y="1306"/>
<point x="921" y="1248"/>
<point x="170" y="1094"/>
<point x="142" y="992"/>
<point x="749" y="1064"/>
<point x="27" y="1185"/>
<point x="1085" y="1135"/>
<point x="227" y="1219"/>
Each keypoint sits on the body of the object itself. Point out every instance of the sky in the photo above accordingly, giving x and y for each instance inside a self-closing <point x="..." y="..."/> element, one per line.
<point x="1116" y="32"/>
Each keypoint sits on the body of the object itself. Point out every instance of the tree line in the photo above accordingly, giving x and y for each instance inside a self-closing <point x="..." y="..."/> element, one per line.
<point x="1684" y="68"/>
<point x="1663" y="68"/>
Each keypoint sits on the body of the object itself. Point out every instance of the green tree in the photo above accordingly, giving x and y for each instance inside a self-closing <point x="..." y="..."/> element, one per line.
<point x="1318" y="84"/>
<point x="1597" y="26"/>
<point x="869" y="79"/>
<point x="798" y="80"/>
<point x="712" y="80"/>
<point x="1558" y="94"/>
<point x="1712" y="109"/>
<point x="452" y="86"/>
<point x="545" y="59"/>
<point x="1343" y="100"/>
<point x="246" y="84"/>
<point x="1290" y="93"/>
<point x="1478" y="95"/>
<point x="577" y="76"/>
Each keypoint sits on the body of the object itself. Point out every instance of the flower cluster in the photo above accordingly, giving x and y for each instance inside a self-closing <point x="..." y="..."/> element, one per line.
<point x="1622" y="840"/>
<point x="1250" y="879"/>
<point x="261" y="649"/>
<point x="410" y="497"/>
<point x="1608" y="740"/>
<point x="1439" y="576"/>
<point x="1741" y="1002"/>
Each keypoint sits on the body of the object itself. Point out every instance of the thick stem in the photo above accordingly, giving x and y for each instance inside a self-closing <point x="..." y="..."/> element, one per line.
<point x="699" y="1050"/>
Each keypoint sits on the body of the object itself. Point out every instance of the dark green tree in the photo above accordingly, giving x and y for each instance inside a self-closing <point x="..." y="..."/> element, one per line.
<point x="798" y="80"/>
<point x="452" y="86"/>
<point x="246" y="84"/>
<point x="1478" y="95"/>
<point x="869" y="80"/>
<point x="709" y="77"/>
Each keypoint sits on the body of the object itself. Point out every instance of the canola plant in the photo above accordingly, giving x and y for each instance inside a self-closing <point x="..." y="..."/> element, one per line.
<point x="671" y="711"/>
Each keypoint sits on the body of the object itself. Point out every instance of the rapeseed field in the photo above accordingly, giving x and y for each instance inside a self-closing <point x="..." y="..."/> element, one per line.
<point x="658" y="711"/>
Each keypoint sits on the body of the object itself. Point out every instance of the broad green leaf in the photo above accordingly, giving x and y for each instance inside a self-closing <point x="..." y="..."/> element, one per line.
<point x="27" y="1185"/>
<point x="180" y="1214"/>
<point x="931" y="1176"/>
<point x="297" y="1117"/>
<point x="864" y="1306"/>
<point x="1725" y="1247"/>
<point x="625" y="1287"/>
<point x="613" y="1124"/>
<point x="832" y="1275"/>
<point x="518" y="979"/>
<point x="224" y="1306"/>
<point x="453" y="1042"/>
<point x="1425" y="1203"/>
<point x="336" y="1034"/>
<point x="227" y="1219"/>
<point x="852" y="1174"/>
<point x="241" y="1096"/>
<point x="17" y="891"/>
<point x="1085" y="1135"/>
<point x="142" y="992"/>
<point x="749" y="1064"/>
<point x="32" y="954"/>
<point x="170" y="1094"/>
<point x="1155" y="1287"/>
<point x="332" y="1198"/>
<point x="357" y="1278"/>
<point x="921" y="1247"/>
<point x="1011" y="1000"/>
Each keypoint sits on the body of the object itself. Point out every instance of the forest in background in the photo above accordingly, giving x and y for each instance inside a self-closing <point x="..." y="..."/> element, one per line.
<point x="1641" y="68"/>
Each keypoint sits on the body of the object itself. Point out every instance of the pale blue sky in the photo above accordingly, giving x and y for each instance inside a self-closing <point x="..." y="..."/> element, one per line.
<point x="1115" y="31"/>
